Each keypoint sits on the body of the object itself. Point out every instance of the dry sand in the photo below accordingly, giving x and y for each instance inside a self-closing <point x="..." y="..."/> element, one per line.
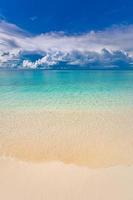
<point x="58" y="181"/>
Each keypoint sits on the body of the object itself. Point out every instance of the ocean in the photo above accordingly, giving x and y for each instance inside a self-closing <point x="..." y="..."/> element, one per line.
<point x="65" y="89"/>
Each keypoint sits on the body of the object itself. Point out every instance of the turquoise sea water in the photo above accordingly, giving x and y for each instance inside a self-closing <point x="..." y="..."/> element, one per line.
<point x="68" y="89"/>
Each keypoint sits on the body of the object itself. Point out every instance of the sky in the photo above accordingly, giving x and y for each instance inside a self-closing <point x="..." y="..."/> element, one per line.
<point x="66" y="34"/>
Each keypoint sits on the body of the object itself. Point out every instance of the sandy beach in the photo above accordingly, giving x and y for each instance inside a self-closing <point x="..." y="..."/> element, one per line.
<point x="91" y="138"/>
<point x="55" y="180"/>
<point x="66" y="100"/>
<point x="65" y="155"/>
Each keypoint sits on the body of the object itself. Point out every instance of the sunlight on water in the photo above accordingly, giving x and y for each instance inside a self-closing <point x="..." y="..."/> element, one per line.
<point x="65" y="89"/>
<point x="80" y="117"/>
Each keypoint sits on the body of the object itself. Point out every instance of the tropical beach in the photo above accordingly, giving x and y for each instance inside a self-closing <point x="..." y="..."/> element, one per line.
<point x="82" y="144"/>
<point x="66" y="100"/>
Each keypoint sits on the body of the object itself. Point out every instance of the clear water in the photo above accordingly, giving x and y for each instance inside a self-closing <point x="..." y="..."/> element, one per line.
<point x="68" y="89"/>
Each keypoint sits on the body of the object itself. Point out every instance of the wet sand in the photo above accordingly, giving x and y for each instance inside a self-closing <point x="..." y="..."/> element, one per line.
<point x="92" y="138"/>
<point x="66" y="155"/>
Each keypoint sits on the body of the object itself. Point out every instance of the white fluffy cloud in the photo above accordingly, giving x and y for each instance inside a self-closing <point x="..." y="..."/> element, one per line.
<point x="112" y="47"/>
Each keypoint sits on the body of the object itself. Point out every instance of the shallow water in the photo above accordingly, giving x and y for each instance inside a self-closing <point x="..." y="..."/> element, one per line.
<point x="80" y="117"/>
<point x="66" y="89"/>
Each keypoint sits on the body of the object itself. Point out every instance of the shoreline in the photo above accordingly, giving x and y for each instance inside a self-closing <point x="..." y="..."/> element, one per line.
<point x="87" y="138"/>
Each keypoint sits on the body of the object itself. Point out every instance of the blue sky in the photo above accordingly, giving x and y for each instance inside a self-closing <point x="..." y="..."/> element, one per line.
<point x="79" y="32"/>
<point x="39" y="16"/>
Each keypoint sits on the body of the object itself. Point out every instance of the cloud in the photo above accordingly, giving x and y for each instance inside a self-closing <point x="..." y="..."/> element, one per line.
<point x="33" y="18"/>
<point x="112" y="47"/>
